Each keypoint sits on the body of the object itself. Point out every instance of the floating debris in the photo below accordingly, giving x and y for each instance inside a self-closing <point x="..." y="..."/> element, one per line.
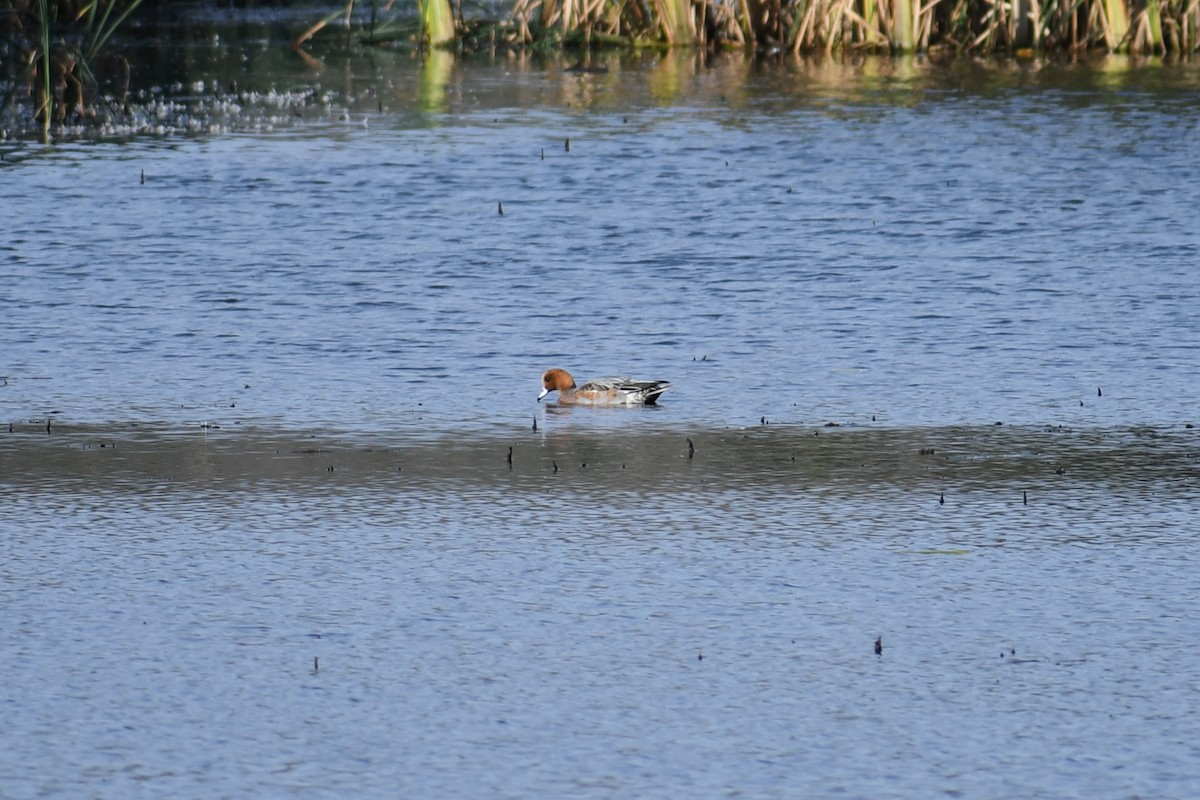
<point x="878" y="645"/>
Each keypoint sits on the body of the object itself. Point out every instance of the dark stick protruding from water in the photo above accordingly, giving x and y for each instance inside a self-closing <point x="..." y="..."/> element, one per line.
<point x="691" y="449"/>
<point x="942" y="499"/>
<point x="316" y="666"/>
<point x="567" y="144"/>
<point x="500" y="208"/>
<point x="554" y="464"/>
<point x="878" y="645"/>
<point x="510" y="455"/>
<point x="143" y="177"/>
<point x="543" y="154"/>
<point x="1098" y="392"/>
<point x="1024" y="498"/>
<point x="535" y="423"/>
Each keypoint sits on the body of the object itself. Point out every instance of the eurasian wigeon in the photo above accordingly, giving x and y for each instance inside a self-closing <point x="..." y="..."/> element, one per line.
<point x="602" y="391"/>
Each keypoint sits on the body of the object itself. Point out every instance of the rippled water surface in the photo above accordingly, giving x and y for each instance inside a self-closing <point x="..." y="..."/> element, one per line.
<point x="933" y="347"/>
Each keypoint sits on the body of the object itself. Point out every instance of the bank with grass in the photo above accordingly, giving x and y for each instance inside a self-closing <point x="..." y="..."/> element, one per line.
<point x="66" y="62"/>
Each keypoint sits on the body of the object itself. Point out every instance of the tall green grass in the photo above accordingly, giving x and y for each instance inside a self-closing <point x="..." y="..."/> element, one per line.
<point x="62" y="43"/>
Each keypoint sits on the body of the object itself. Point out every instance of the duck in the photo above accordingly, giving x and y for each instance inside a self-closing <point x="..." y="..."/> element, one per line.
<point x="601" y="391"/>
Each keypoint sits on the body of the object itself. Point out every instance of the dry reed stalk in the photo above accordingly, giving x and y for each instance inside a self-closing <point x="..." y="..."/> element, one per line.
<point x="1036" y="19"/>
<point x="858" y="27"/>
<point x="672" y="17"/>
<point x="1116" y="24"/>
<point x="833" y="22"/>
<point x="926" y="24"/>
<point x="316" y="27"/>
<point x="747" y="21"/>
<point x="725" y="22"/>
<point x="1137" y="30"/>
<point x="903" y="25"/>
<point x="869" y="23"/>
<point x="591" y="11"/>
<point x="836" y="21"/>
<point x="883" y="15"/>
<point x="802" y="42"/>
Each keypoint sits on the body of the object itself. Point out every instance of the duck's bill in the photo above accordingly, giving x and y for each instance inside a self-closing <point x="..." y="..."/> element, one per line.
<point x="543" y="394"/>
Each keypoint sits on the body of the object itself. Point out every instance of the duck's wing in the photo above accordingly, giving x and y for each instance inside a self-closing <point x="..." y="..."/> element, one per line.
<point x="646" y="391"/>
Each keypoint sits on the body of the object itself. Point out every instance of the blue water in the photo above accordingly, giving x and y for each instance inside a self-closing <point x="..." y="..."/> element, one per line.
<point x="960" y="260"/>
<point x="902" y="261"/>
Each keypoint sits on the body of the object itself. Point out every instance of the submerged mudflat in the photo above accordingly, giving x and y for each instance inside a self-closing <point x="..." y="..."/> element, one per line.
<point x="1045" y="461"/>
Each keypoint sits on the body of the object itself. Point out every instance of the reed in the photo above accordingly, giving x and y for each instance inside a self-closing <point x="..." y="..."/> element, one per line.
<point x="1115" y="23"/>
<point x="61" y="43"/>
<point x="437" y="21"/>
<point x="903" y="26"/>
<point x="45" y="105"/>
<point x="675" y="21"/>
<point x="810" y="26"/>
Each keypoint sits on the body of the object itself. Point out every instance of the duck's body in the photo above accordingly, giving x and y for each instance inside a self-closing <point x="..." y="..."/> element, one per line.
<point x="601" y="391"/>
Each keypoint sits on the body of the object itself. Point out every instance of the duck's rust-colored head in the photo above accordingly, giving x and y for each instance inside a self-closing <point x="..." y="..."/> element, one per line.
<point x="556" y="380"/>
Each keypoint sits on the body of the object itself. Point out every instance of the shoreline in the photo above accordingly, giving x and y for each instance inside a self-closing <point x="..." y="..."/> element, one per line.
<point x="276" y="93"/>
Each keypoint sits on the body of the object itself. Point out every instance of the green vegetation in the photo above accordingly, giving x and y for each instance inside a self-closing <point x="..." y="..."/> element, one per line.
<point x="56" y="55"/>
<point x="1135" y="26"/>
<point x="59" y="43"/>
<point x="801" y="26"/>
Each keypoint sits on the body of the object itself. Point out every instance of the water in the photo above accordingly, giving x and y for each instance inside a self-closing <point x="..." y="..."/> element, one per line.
<point x="271" y="542"/>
